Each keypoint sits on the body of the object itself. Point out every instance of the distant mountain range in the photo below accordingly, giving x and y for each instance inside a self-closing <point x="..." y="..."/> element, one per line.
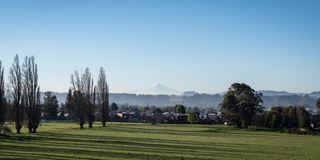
<point x="315" y="94"/>
<point x="160" y="95"/>
<point x="159" y="89"/>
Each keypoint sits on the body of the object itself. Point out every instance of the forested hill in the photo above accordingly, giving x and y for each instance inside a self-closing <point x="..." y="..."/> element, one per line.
<point x="202" y="100"/>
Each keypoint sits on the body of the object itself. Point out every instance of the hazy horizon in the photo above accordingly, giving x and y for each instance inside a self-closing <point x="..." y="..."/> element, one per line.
<point x="201" y="46"/>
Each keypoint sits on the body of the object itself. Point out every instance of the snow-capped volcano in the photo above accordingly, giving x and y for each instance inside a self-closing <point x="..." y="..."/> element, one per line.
<point x="161" y="89"/>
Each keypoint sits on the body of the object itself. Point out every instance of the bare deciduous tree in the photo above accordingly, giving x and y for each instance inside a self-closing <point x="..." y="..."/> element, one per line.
<point x="78" y="99"/>
<point x="103" y="96"/>
<point x="15" y="80"/>
<point x="2" y="96"/>
<point x="31" y="90"/>
<point x="83" y="98"/>
<point x="89" y="92"/>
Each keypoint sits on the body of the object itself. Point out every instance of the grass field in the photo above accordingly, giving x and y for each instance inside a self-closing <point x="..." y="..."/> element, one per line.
<point x="63" y="140"/>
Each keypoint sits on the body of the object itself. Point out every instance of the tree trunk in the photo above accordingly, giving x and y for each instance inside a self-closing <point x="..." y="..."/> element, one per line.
<point x="18" y="126"/>
<point x="239" y="125"/>
<point x="90" y="125"/>
<point x="30" y="127"/>
<point x="81" y="125"/>
<point x="104" y="124"/>
<point x="91" y="121"/>
<point x="18" y="130"/>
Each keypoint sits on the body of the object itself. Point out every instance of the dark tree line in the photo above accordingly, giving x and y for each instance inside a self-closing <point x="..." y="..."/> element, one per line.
<point x="84" y="98"/>
<point x="287" y="117"/>
<point x="242" y="107"/>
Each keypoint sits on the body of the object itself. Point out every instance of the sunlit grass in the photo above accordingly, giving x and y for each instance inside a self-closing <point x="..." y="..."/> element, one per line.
<point x="64" y="140"/>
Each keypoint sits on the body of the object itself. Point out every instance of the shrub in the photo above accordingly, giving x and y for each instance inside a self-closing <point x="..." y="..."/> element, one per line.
<point x="5" y="130"/>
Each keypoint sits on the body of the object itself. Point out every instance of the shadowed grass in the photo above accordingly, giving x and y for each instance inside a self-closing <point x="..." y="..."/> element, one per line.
<point x="63" y="140"/>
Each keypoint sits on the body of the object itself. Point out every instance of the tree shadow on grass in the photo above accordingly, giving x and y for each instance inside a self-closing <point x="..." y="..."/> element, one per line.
<point x="89" y="144"/>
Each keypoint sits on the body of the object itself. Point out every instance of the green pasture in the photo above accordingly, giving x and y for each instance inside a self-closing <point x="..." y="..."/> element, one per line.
<point x="64" y="140"/>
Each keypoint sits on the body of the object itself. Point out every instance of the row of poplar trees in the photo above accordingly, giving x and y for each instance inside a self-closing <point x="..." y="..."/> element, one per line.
<point x="23" y="94"/>
<point x="86" y="100"/>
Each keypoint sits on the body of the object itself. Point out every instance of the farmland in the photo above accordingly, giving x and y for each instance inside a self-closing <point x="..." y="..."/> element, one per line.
<point x="64" y="140"/>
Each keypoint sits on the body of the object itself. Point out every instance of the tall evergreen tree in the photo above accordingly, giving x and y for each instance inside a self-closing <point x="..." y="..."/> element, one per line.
<point x="114" y="107"/>
<point x="15" y="80"/>
<point x="69" y="106"/>
<point x="103" y="96"/>
<point x="180" y="109"/>
<point x="50" y="104"/>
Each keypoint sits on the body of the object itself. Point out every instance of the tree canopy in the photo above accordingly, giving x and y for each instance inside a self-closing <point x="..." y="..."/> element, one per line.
<point x="51" y="104"/>
<point x="114" y="107"/>
<point x="180" y="109"/>
<point x="240" y="104"/>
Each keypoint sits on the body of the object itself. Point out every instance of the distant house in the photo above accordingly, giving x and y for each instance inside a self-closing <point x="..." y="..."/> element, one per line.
<point x="147" y="117"/>
<point x="128" y="116"/>
<point x="210" y="118"/>
<point x="169" y="117"/>
<point x="181" y="118"/>
<point x="112" y="115"/>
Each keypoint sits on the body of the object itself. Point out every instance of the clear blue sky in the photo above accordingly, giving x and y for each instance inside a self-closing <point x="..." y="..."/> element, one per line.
<point x="187" y="45"/>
